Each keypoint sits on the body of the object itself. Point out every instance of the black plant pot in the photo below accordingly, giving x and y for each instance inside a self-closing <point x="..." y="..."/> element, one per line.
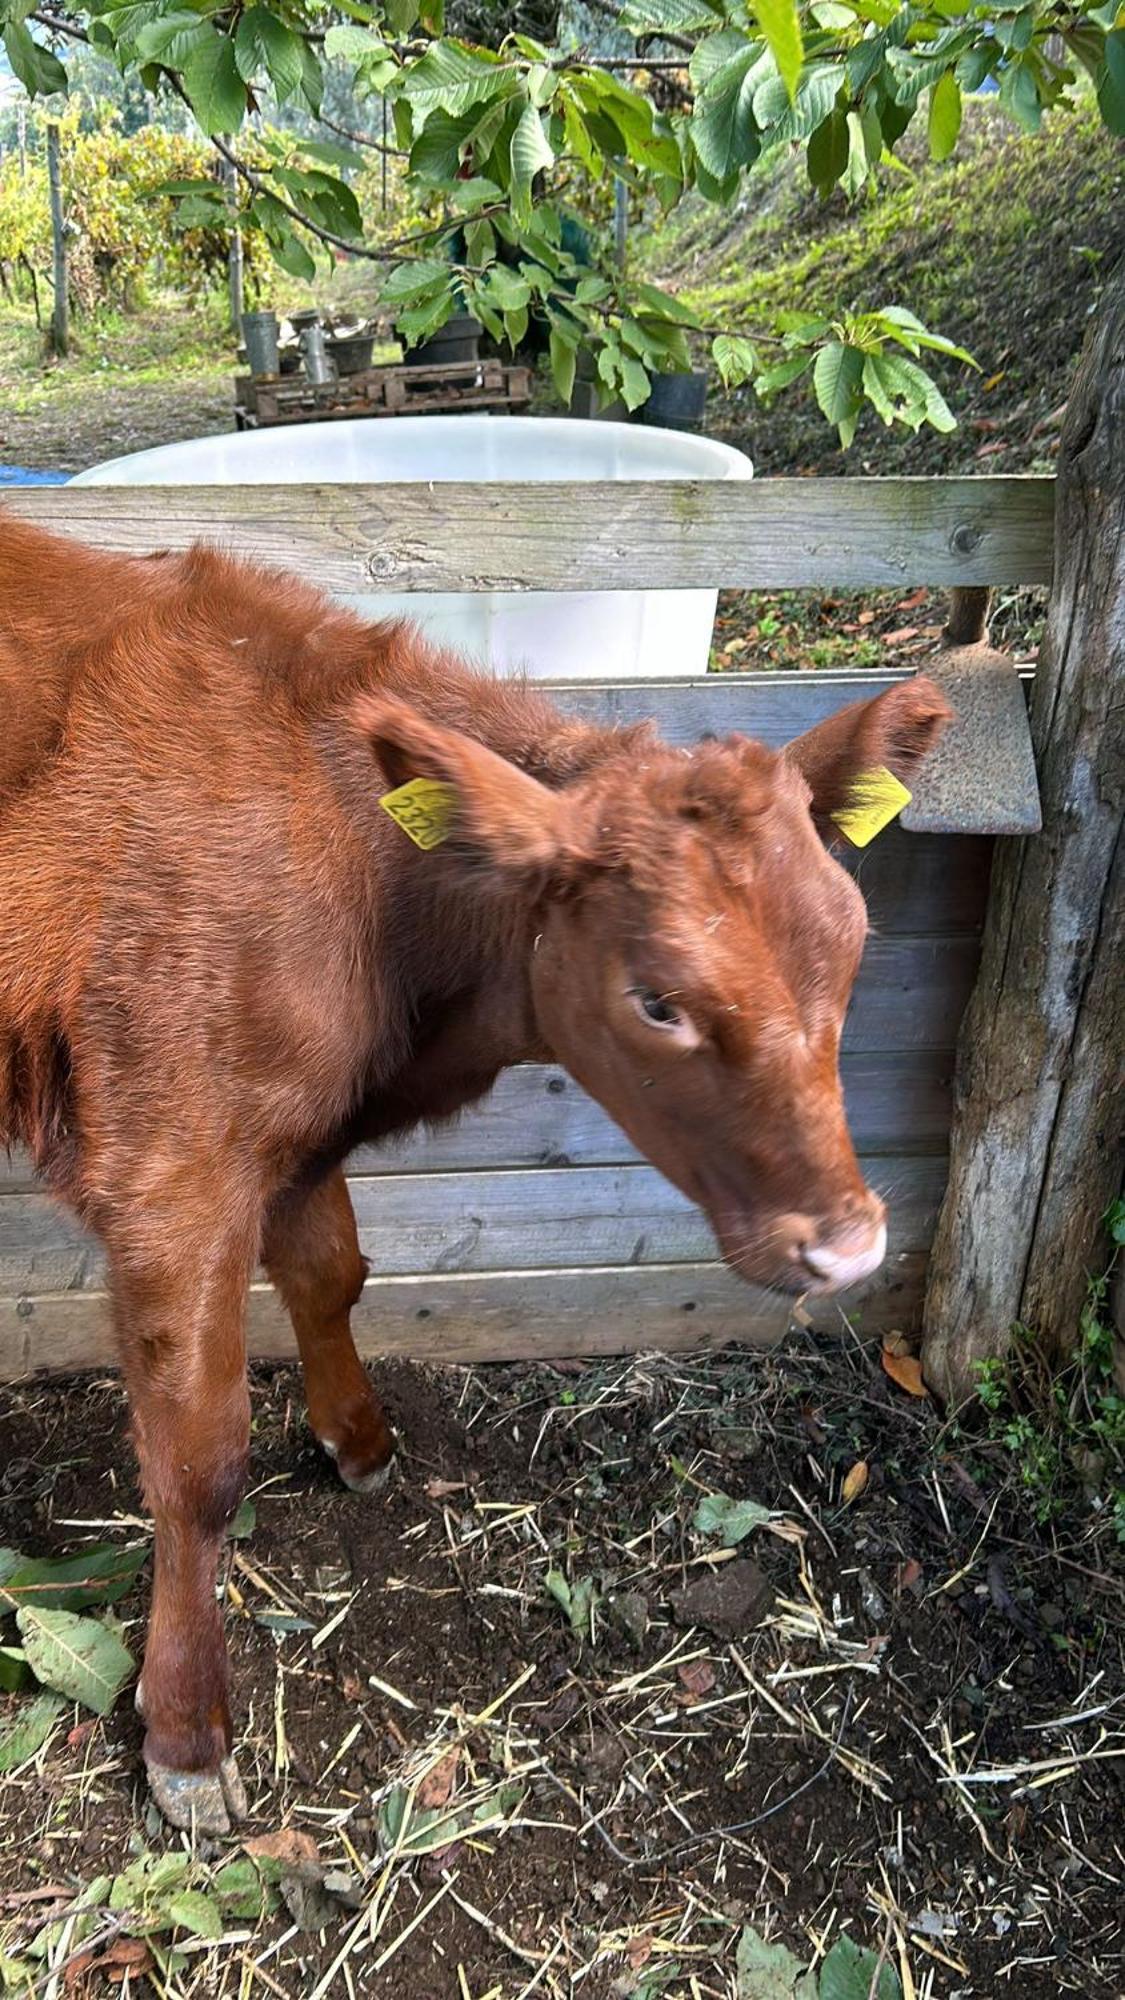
<point x="457" y="340"/>
<point x="677" y="402"/>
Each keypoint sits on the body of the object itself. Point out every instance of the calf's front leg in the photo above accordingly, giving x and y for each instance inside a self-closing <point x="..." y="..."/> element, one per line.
<point x="180" y="1313"/>
<point x="311" y="1252"/>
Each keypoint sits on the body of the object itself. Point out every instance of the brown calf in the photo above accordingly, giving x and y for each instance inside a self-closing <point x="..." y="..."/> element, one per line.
<point x="222" y="965"/>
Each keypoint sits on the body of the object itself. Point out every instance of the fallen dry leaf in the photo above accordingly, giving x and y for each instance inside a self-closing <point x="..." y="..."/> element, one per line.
<point x="909" y="1573"/>
<point x="912" y="602"/>
<point x="697" y="1677"/>
<point x="855" y="1482"/>
<point x="124" y="1955"/>
<point x="289" y="1847"/>
<point x="866" y="618"/>
<point x="897" y="1343"/>
<point x="638" y="1951"/>
<point x="906" y="1370"/>
<point x="900" y="637"/>
<point x="436" y="1786"/>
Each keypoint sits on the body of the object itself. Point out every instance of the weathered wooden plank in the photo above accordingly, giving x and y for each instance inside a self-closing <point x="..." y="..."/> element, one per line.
<point x="536" y="1315"/>
<point x="761" y="534"/>
<point x="496" y="1220"/>
<point x="537" y="1116"/>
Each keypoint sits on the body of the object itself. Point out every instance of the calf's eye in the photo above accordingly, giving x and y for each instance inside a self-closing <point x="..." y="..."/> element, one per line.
<point x="657" y="1011"/>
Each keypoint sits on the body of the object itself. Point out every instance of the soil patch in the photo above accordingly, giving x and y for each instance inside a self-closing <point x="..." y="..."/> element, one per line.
<point x="905" y="1729"/>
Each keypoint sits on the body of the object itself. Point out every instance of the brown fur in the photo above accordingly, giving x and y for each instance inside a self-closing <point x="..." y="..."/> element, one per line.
<point x="222" y="965"/>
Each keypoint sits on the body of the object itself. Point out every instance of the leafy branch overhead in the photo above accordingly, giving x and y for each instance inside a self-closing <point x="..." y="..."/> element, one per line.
<point x="505" y="142"/>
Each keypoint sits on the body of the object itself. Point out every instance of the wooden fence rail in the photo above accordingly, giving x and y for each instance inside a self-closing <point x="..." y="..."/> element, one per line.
<point x="631" y="535"/>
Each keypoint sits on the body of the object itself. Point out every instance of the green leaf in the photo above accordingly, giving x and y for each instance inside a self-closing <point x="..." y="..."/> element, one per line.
<point x="1019" y="96"/>
<point x="780" y="23"/>
<point x="505" y="290"/>
<point x="848" y="1973"/>
<point x="563" y="359"/>
<point x="171" y="38"/>
<point x="945" y="116"/>
<point x="214" y="87"/>
<point x="827" y="155"/>
<point x="412" y="281"/>
<point x="78" y="1657"/>
<point x="401" y="16"/>
<point x="734" y="358"/>
<point x="1111" y="88"/>
<point x="680" y="17"/>
<point x="28" y="1730"/>
<point x="418" y="322"/>
<point x="289" y="251"/>
<point x="838" y="381"/>
<point x="262" y="42"/>
<point x="192" y="1911"/>
<point x="40" y="72"/>
<point x="244" y="1522"/>
<point x="557" y="1587"/>
<point x="731" y="1519"/>
<point x="531" y="153"/>
<point x="480" y="244"/>
<point x="724" y="130"/>
<point x="453" y="78"/>
<point x="243" y="1892"/>
<point x="15" y="1674"/>
<point x="782" y="375"/>
<point x="635" y="385"/>
<point x="765" y="1971"/>
<point x="100" y="1576"/>
<point x="351" y="44"/>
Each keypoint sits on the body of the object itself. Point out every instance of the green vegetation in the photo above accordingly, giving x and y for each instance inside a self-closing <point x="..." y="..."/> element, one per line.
<point x="509" y="141"/>
<point x="1065" y="1431"/>
<point x="1003" y="249"/>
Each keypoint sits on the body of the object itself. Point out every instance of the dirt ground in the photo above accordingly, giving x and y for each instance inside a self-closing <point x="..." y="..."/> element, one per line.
<point x="892" y="1711"/>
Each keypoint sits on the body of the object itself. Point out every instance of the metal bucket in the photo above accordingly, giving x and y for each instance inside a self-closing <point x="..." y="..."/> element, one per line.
<point x="259" y="331"/>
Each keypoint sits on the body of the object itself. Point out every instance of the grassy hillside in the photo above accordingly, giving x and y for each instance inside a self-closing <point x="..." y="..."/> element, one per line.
<point x="1004" y="250"/>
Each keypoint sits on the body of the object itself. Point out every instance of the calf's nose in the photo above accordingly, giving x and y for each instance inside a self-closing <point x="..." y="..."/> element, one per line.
<point x="845" y="1259"/>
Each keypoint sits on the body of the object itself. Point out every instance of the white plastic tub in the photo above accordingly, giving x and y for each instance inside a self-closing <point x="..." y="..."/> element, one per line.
<point x="582" y="635"/>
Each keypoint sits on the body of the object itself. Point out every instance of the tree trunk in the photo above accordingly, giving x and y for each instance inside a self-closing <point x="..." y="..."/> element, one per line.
<point x="60" y="317"/>
<point x="1039" y="1103"/>
<point x="234" y="256"/>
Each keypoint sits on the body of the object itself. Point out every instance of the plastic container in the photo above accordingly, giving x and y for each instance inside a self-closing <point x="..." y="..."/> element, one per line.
<point x="573" y="635"/>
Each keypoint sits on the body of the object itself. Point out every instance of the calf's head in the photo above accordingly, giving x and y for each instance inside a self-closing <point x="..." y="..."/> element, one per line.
<point x="695" y="948"/>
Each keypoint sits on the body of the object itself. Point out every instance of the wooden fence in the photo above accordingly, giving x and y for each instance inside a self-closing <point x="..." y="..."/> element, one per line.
<point x="532" y="1227"/>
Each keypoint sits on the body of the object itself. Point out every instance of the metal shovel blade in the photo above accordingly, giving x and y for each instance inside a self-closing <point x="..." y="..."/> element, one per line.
<point x="981" y="778"/>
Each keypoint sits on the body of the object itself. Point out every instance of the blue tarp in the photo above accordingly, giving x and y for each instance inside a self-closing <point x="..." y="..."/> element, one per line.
<point x="22" y="475"/>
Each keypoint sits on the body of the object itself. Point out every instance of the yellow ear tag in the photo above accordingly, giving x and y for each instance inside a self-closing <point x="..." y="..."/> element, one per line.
<point x="877" y="798"/>
<point x="423" y="808"/>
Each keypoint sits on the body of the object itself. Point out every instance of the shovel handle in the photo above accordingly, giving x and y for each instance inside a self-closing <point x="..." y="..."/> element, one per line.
<point x="967" y="624"/>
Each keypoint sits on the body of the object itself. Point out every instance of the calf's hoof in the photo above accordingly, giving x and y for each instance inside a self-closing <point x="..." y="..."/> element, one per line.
<point x="199" y="1801"/>
<point x="363" y="1470"/>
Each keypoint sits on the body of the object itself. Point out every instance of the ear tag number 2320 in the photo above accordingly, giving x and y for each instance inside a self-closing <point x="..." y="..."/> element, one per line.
<point x="423" y="808"/>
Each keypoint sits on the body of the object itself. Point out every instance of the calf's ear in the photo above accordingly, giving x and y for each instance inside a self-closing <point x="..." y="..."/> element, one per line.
<point x="896" y="730"/>
<point x="497" y="811"/>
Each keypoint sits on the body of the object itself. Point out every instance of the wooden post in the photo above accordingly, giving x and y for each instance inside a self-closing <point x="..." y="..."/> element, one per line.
<point x="1039" y="1104"/>
<point x="60" y="316"/>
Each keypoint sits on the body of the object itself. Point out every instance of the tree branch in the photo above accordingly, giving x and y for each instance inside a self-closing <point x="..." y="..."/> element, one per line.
<point x="362" y="138"/>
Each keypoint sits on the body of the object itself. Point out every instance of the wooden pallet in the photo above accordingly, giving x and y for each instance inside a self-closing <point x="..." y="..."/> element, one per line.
<point x="382" y="392"/>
